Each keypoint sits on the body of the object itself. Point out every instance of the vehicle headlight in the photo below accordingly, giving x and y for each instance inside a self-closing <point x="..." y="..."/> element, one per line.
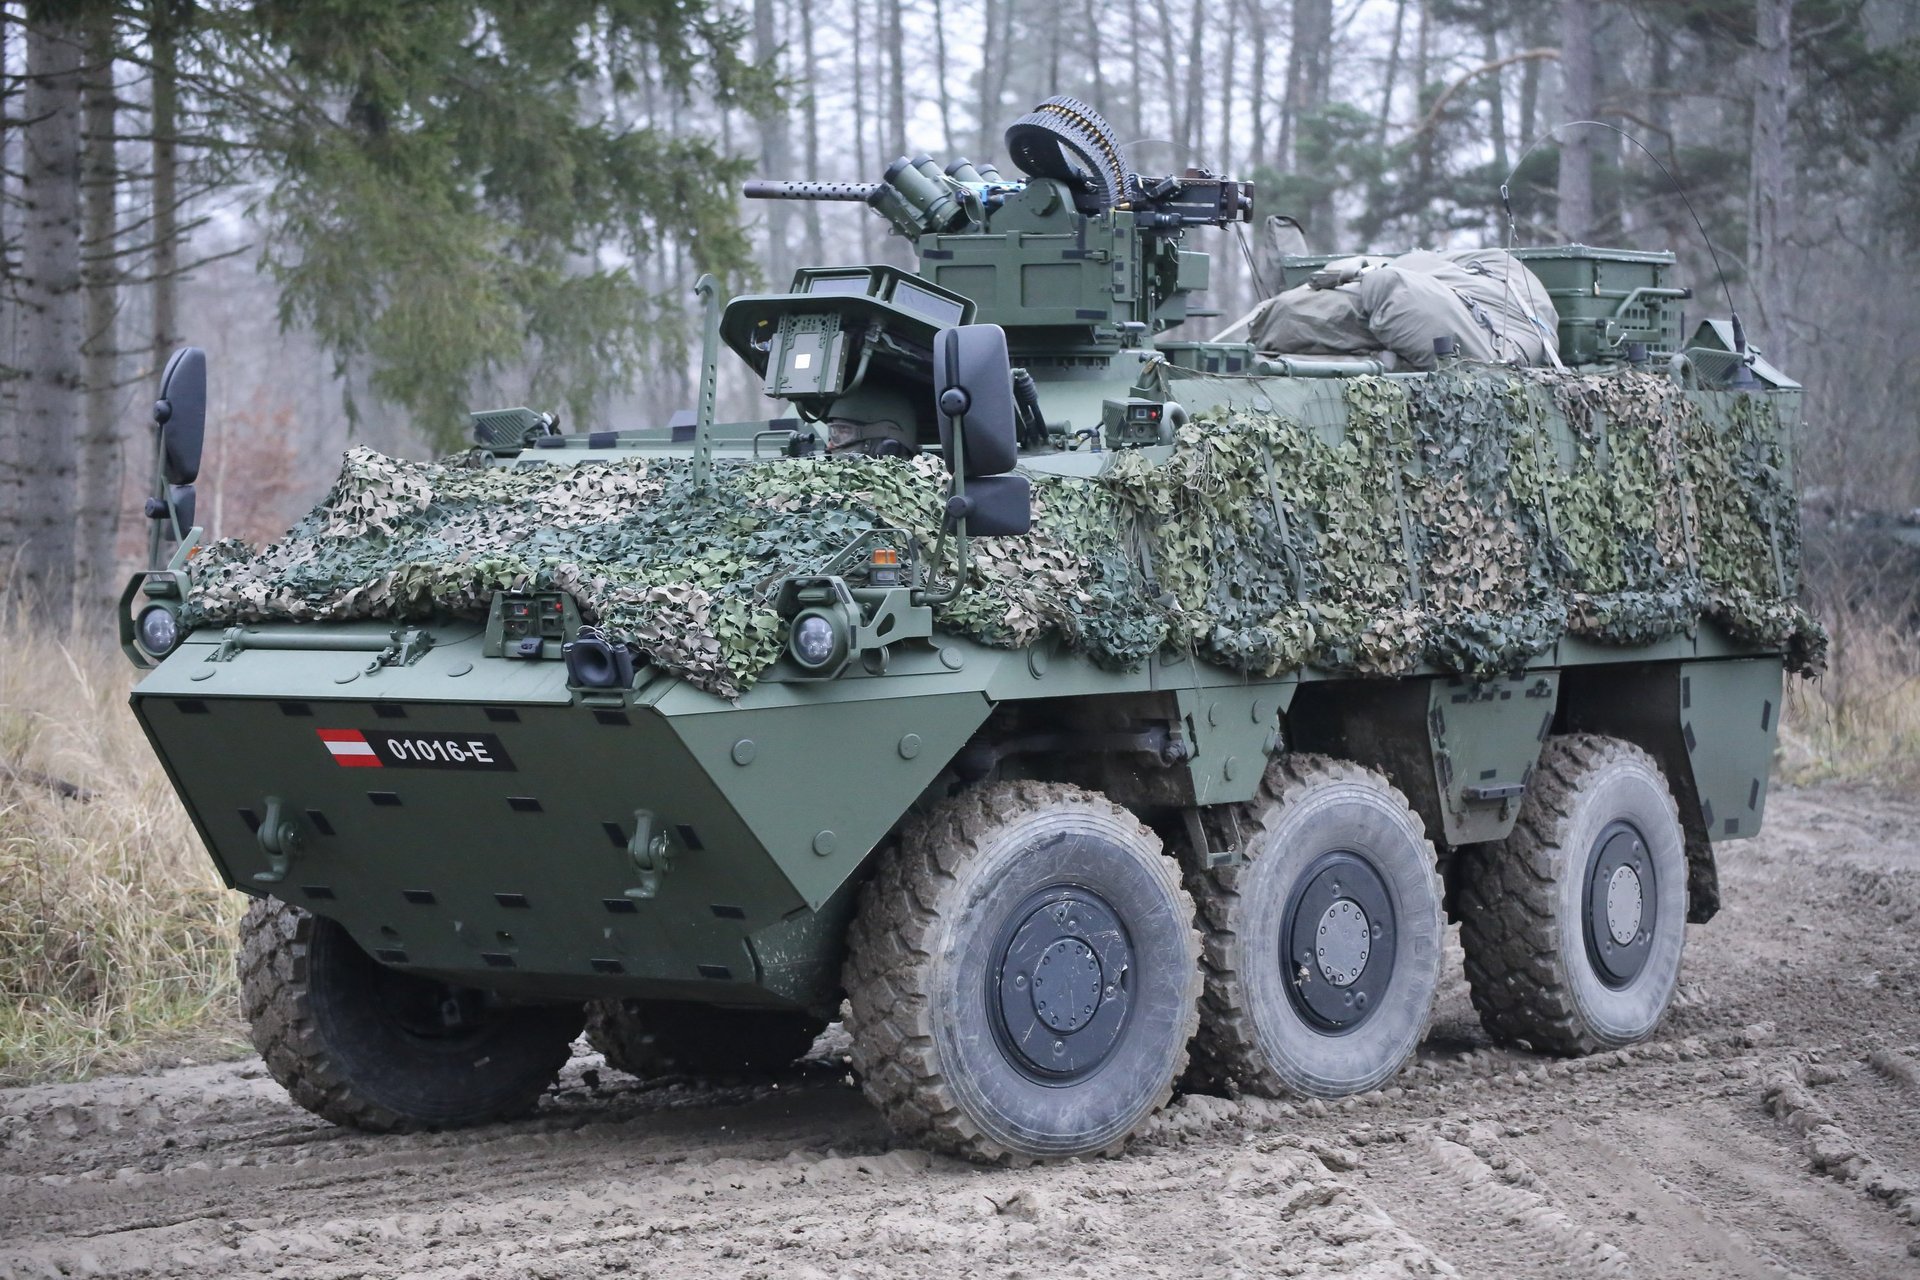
<point x="159" y="630"/>
<point x="817" y="641"/>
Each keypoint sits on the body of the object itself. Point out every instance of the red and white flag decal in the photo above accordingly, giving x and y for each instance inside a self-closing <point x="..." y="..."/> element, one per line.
<point x="350" y="748"/>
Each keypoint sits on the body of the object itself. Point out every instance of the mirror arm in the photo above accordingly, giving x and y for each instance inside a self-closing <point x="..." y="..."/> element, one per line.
<point x="155" y="535"/>
<point x="956" y="489"/>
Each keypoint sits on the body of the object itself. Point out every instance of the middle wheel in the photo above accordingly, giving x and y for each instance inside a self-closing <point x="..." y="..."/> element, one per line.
<point x="1323" y="944"/>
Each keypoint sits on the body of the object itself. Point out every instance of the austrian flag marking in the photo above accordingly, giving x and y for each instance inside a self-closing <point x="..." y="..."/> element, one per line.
<point x="416" y="749"/>
<point x="350" y="749"/>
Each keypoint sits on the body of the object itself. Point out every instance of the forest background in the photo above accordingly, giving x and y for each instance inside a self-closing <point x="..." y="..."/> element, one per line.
<point x="377" y="214"/>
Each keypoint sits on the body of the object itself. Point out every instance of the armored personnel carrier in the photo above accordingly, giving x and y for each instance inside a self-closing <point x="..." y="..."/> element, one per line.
<point x="1080" y="710"/>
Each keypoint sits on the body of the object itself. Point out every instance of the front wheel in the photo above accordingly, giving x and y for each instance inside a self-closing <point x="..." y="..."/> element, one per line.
<point x="1573" y="924"/>
<point x="375" y="1048"/>
<point x="1022" y="977"/>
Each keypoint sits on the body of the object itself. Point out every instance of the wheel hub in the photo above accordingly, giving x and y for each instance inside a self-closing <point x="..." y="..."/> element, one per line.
<point x="1059" y="999"/>
<point x="1066" y="984"/>
<point x="1338" y="941"/>
<point x="1344" y="943"/>
<point x="1620" y="911"/>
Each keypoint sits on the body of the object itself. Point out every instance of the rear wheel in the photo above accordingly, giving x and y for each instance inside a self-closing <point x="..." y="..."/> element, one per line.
<point x="664" y="1037"/>
<point x="360" y="1044"/>
<point x="1573" y="925"/>
<point x="1323" y="943"/>
<point x="1022" y="978"/>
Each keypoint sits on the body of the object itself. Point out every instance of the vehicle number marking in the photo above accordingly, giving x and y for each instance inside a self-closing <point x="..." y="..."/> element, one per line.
<point x="381" y="749"/>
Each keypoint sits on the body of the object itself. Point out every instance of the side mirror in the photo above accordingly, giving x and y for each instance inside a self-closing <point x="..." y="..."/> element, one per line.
<point x="180" y="414"/>
<point x="995" y="506"/>
<point x="973" y="388"/>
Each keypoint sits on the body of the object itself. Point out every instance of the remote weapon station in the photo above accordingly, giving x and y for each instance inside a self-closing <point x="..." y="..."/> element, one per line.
<point x="1081" y="712"/>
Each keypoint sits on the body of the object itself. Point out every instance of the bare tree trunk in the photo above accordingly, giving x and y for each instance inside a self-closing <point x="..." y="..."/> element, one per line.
<point x="1668" y="210"/>
<point x="41" y="540"/>
<point x="166" y="184"/>
<point x="1193" y="115"/>
<point x="896" y="82"/>
<point x="1096" y="61"/>
<point x="1393" y="70"/>
<point x="775" y="148"/>
<point x="1769" y="202"/>
<point x="1053" y="49"/>
<point x="1576" y="103"/>
<point x="10" y="318"/>
<point x="1170" y="58"/>
<point x="860" y="149"/>
<point x="1228" y="52"/>
<point x="985" y="147"/>
<point x="816" y="249"/>
<point x="1283" y="151"/>
<point x="1257" y="20"/>
<point x="939" y="75"/>
<point x="1496" y="100"/>
<point x="1311" y="67"/>
<point x="1529" y="95"/>
<point x="1423" y="159"/>
<point x="101" y="447"/>
<point x="1138" y="97"/>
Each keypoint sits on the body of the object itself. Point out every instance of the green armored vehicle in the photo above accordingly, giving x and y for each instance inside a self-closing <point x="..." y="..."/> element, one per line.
<point x="1082" y="714"/>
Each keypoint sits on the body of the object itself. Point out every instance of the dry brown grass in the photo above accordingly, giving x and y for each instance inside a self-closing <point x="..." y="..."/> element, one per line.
<point x="116" y="937"/>
<point x="1862" y="718"/>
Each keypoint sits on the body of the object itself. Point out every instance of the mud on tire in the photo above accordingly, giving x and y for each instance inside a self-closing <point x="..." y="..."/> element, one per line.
<point x="1324" y="840"/>
<point x="1573" y="925"/>
<point x="992" y="903"/>
<point x="648" y="1038"/>
<point x="374" y="1048"/>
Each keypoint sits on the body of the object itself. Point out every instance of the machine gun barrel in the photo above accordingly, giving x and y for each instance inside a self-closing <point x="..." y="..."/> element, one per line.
<point x="852" y="192"/>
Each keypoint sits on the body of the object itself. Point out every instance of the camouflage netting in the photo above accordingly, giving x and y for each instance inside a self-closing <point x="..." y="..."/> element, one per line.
<point x="1444" y="525"/>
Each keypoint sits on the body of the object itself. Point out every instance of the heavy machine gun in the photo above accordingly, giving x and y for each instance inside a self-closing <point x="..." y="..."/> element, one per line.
<point x="1080" y="257"/>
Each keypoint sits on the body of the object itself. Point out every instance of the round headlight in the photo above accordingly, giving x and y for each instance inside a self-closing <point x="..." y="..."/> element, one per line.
<point x="159" y="630"/>
<point x="816" y="640"/>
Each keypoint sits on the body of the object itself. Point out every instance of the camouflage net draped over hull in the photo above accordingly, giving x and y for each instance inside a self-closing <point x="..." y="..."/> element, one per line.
<point x="1464" y="519"/>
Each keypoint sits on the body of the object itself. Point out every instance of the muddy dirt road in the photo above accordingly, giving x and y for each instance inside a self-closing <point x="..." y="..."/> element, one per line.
<point x="1772" y="1129"/>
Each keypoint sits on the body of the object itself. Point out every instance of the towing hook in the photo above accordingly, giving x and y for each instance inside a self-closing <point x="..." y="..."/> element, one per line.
<point x="649" y="853"/>
<point x="279" y="840"/>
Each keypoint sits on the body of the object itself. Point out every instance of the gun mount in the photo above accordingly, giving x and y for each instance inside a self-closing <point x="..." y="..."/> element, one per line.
<point x="1080" y="258"/>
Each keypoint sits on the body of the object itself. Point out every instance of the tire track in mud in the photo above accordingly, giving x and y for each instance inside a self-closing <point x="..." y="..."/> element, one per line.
<point x="1479" y="1204"/>
<point x="1820" y="1100"/>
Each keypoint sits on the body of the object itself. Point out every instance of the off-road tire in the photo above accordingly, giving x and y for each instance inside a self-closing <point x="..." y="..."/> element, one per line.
<point x="927" y="942"/>
<point x="1521" y="913"/>
<point x="648" y="1038"/>
<point x="313" y="1000"/>
<point x="1253" y="1034"/>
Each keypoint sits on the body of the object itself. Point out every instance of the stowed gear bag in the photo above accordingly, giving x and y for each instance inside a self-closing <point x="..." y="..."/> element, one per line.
<point x="1443" y="525"/>
<point x="1486" y="300"/>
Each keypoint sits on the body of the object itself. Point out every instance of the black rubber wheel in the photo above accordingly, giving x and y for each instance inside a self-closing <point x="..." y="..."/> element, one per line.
<point x="1322" y="946"/>
<point x="375" y="1048"/>
<point x="1022" y="977"/>
<point x="648" y="1038"/>
<point x="1573" y="925"/>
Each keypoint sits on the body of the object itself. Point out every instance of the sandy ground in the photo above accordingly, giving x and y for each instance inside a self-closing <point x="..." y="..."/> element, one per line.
<point x="1771" y="1129"/>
